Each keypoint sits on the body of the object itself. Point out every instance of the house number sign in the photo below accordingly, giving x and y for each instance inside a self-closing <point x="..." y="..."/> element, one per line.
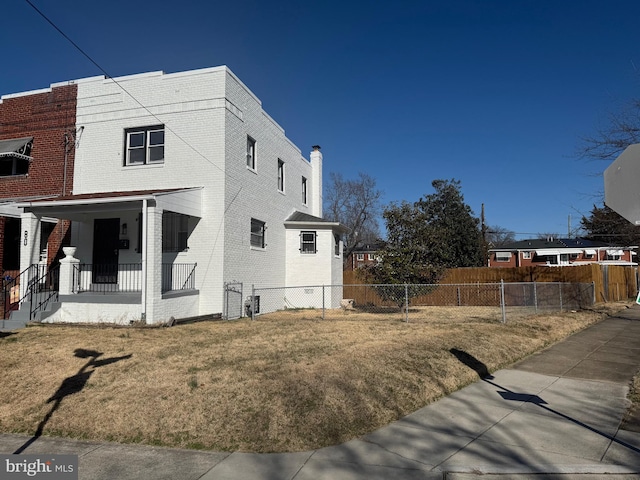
<point x="26" y="237"/>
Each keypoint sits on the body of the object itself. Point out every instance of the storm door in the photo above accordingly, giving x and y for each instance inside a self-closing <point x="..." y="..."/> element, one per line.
<point x="106" y="236"/>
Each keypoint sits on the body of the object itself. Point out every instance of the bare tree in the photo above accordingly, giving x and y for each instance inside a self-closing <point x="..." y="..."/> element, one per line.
<point x="498" y="236"/>
<point x="356" y="204"/>
<point x="621" y="129"/>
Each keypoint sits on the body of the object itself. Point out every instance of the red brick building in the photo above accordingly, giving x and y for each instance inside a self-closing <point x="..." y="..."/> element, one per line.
<point x="37" y="139"/>
<point x="560" y="252"/>
<point x="362" y="256"/>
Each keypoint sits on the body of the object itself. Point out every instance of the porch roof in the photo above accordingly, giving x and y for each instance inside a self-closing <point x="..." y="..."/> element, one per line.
<point x="179" y="200"/>
<point x="304" y="220"/>
<point x="8" y="206"/>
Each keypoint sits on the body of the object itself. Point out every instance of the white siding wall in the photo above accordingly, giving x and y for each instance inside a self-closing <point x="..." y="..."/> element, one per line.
<point x="192" y="107"/>
<point x="313" y="269"/>
<point x="310" y="268"/>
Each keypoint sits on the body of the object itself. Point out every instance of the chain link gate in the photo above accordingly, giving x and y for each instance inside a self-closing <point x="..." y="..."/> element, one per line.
<point x="233" y="304"/>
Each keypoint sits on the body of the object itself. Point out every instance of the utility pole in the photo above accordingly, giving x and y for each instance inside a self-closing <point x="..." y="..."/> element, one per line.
<point x="483" y="231"/>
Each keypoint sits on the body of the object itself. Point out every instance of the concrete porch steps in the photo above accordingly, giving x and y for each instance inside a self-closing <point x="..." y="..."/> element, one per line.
<point x="19" y="318"/>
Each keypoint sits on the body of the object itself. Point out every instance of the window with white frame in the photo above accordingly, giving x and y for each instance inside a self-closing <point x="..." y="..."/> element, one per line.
<point x="304" y="191"/>
<point x="503" y="256"/>
<point x="175" y="232"/>
<point x="614" y="254"/>
<point x="336" y="244"/>
<point x="308" y="242"/>
<point x="360" y="257"/>
<point x="371" y="257"/>
<point x="257" y="233"/>
<point x="280" y="176"/>
<point x="144" y="145"/>
<point x="526" y="255"/>
<point x="251" y="153"/>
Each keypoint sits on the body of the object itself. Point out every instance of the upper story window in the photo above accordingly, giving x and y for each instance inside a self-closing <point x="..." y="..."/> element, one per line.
<point x="308" y="242"/>
<point x="336" y="244"/>
<point x="175" y="232"/>
<point x="280" y="176"/>
<point x="144" y="145"/>
<point x="257" y="233"/>
<point x="15" y="156"/>
<point x="304" y="191"/>
<point x="251" y="153"/>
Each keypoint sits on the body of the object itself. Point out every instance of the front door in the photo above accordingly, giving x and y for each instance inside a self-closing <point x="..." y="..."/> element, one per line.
<point x="106" y="236"/>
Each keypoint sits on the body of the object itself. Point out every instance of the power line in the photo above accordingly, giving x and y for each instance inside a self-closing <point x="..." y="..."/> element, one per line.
<point x="107" y="75"/>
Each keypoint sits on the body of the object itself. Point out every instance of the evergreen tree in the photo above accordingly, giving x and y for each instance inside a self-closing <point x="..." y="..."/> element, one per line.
<point x="607" y="226"/>
<point x="437" y="232"/>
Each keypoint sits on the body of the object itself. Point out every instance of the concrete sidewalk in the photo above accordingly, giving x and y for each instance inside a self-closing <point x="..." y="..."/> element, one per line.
<point x="558" y="412"/>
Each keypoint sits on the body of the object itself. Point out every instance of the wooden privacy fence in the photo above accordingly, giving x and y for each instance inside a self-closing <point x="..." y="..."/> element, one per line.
<point x="611" y="282"/>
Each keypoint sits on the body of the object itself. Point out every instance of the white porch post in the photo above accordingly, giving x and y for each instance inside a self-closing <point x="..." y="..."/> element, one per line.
<point x="29" y="240"/>
<point x="144" y="259"/>
<point x="153" y="267"/>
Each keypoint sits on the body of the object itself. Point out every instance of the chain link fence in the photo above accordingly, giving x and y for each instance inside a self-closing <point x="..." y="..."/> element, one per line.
<point x="418" y="303"/>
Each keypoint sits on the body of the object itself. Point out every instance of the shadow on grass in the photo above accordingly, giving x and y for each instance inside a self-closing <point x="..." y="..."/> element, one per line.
<point x="6" y="334"/>
<point x="482" y="370"/>
<point x="472" y="362"/>
<point x="71" y="385"/>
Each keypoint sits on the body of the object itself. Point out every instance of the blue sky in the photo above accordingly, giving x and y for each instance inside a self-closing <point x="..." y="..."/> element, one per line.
<point x="496" y="94"/>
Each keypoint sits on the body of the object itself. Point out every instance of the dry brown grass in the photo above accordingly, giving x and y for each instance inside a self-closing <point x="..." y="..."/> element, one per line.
<point x="286" y="382"/>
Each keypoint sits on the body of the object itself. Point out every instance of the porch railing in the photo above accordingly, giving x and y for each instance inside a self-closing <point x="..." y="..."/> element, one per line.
<point x="127" y="277"/>
<point x="43" y="288"/>
<point x="96" y="278"/>
<point x="37" y="284"/>
<point x="178" y="276"/>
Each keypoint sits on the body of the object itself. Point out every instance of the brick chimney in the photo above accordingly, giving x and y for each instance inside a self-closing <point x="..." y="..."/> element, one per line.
<point x="315" y="158"/>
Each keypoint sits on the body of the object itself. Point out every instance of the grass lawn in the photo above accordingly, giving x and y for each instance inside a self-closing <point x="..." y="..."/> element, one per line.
<point x="285" y="382"/>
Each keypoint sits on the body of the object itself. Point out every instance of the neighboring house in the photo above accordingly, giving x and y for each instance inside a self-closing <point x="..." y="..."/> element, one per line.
<point x="560" y="252"/>
<point x="363" y="256"/>
<point x="36" y="160"/>
<point x="182" y="184"/>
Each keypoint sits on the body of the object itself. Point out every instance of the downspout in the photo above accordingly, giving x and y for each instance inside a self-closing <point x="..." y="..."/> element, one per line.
<point x="143" y="299"/>
<point x="66" y="159"/>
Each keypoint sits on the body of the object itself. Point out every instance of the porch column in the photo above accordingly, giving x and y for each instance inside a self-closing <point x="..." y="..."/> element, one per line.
<point x="29" y="240"/>
<point x="153" y="264"/>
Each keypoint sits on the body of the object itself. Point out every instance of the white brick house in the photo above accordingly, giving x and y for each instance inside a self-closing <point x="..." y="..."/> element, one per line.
<point x="182" y="183"/>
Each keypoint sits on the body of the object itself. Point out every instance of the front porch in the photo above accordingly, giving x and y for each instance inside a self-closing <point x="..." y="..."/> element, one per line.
<point x="37" y="291"/>
<point x="130" y="259"/>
